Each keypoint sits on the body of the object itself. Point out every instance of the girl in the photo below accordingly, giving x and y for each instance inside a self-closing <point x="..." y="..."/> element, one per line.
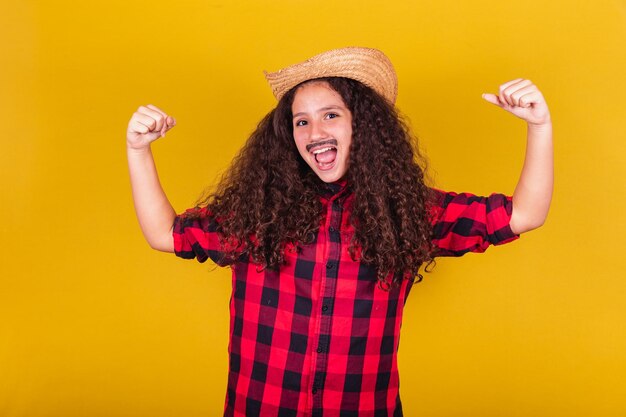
<point x="325" y="219"/>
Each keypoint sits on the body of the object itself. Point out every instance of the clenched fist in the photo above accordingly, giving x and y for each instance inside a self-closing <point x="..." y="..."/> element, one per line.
<point x="147" y="125"/>
<point x="523" y="99"/>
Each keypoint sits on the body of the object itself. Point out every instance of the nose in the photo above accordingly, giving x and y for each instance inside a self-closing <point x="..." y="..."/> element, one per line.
<point x="317" y="131"/>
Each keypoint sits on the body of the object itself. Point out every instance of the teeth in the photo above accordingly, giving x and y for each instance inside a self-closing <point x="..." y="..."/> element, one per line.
<point x="317" y="151"/>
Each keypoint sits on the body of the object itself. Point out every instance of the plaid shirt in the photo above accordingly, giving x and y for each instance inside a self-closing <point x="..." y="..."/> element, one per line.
<point x="319" y="337"/>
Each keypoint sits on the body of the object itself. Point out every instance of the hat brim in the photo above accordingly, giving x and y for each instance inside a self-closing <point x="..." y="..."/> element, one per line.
<point x="367" y="65"/>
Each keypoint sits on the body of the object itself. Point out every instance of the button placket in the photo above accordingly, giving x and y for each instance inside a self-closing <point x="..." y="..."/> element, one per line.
<point x="333" y="254"/>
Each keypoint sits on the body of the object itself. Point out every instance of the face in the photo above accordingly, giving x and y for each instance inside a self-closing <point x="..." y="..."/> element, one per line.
<point x="322" y="129"/>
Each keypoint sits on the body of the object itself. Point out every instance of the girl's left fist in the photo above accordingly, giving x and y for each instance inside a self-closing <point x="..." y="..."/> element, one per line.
<point x="522" y="98"/>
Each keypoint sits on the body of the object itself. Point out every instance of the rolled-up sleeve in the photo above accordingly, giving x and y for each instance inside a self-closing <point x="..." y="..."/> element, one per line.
<point x="195" y="236"/>
<point x="464" y="222"/>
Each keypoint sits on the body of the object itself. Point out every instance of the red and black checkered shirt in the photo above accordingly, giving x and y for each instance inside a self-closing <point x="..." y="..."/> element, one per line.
<point x="320" y="337"/>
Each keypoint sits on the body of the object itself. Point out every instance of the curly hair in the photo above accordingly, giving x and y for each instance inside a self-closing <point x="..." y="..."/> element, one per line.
<point x="269" y="197"/>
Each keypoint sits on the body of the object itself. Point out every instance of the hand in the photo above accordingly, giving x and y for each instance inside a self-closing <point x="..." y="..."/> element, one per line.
<point x="522" y="98"/>
<point x="146" y="125"/>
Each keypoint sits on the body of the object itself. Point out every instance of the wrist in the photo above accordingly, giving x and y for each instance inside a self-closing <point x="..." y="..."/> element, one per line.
<point x="139" y="150"/>
<point x="540" y="127"/>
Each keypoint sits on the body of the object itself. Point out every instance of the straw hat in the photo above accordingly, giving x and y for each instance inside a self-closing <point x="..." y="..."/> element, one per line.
<point x="367" y="65"/>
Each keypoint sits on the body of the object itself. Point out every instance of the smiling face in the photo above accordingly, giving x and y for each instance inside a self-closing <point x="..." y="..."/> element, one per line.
<point x="322" y="129"/>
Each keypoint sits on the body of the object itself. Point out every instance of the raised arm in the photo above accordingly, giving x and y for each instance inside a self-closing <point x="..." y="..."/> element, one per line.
<point x="533" y="193"/>
<point x="154" y="211"/>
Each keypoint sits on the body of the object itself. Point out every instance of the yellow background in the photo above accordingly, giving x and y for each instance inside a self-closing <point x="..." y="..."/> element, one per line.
<point x="95" y="323"/>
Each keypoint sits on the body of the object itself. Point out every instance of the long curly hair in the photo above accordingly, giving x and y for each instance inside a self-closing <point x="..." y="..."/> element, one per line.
<point x="269" y="197"/>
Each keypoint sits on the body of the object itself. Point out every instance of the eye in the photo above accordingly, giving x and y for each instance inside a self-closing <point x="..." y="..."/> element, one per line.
<point x="332" y="115"/>
<point x="301" y="123"/>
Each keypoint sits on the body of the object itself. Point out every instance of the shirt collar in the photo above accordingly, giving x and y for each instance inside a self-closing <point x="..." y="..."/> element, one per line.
<point x="334" y="189"/>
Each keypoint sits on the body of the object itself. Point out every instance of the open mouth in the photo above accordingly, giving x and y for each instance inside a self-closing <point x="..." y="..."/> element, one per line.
<point x="325" y="154"/>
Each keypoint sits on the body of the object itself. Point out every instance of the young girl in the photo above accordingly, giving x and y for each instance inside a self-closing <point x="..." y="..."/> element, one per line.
<point x="325" y="219"/>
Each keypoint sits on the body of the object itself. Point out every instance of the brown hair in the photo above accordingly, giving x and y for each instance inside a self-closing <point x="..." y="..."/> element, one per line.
<point x="269" y="197"/>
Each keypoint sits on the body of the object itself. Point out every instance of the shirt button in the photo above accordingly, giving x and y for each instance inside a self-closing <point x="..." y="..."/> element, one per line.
<point x="320" y="350"/>
<point x="332" y="229"/>
<point x="329" y="265"/>
<point x="324" y="307"/>
<point x="314" y="390"/>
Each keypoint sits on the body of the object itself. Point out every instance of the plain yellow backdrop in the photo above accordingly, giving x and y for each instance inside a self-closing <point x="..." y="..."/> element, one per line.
<point x="95" y="323"/>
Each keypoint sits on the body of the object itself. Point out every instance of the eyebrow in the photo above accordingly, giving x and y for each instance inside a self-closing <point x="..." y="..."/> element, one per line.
<point x="322" y="109"/>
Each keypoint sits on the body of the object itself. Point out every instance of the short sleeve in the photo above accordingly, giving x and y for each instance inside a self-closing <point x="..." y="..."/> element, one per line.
<point x="468" y="223"/>
<point x="196" y="236"/>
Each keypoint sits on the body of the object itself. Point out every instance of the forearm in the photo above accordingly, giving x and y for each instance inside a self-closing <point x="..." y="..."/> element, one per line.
<point x="533" y="193"/>
<point x="154" y="211"/>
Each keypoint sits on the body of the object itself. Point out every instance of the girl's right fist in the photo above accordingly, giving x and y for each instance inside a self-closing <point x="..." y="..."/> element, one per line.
<point x="147" y="125"/>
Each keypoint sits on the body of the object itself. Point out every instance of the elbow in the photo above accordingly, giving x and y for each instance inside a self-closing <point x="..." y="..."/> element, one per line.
<point x="162" y="247"/>
<point x="523" y="225"/>
<point x="528" y="215"/>
<point x="530" y="226"/>
<point x="162" y="244"/>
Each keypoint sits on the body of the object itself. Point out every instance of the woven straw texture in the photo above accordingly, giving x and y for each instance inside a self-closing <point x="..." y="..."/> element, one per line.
<point x="367" y="65"/>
